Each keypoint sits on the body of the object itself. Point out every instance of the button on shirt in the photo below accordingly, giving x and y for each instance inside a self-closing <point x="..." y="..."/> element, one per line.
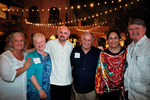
<point x="61" y="66"/>
<point x="84" y="69"/>
<point x="137" y="75"/>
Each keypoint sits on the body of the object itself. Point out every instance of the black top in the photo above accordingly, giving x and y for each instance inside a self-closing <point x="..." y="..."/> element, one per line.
<point x="109" y="52"/>
<point x="84" y="69"/>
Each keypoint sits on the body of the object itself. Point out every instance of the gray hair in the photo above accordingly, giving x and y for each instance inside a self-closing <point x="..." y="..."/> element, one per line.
<point x="86" y="33"/>
<point x="63" y="27"/>
<point x="9" y="40"/>
<point x="137" y="21"/>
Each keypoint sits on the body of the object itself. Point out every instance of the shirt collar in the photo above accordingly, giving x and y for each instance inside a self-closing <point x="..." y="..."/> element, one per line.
<point x="140" y="42"/>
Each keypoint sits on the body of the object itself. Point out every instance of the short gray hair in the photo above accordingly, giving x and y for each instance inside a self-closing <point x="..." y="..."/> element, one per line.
<point x="137" y="21"/>
<point x="9" y="40"/>
<point x="86" y="33"/>
<point x="63" y="27"/>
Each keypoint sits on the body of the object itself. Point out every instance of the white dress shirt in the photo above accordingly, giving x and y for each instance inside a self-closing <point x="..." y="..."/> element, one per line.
<point x="61" y="66"/>
<point x="12" y="87"/>
<point x="137" y="75"/>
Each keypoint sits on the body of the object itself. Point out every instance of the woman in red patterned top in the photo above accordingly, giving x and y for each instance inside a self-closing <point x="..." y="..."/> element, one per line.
<point x="110" y="69"/>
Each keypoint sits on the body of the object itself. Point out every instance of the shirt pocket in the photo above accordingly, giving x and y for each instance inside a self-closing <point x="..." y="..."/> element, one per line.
<point x="140" y="62"/>
<point x="143" y="64"/>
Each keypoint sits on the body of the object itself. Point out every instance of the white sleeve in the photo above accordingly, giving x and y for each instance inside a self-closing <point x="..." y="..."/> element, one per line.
<point x="7" y="72"/>
<point x="47" y="47"/>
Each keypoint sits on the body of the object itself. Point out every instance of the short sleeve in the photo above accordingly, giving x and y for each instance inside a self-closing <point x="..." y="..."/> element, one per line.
<point x="47" y="46"/>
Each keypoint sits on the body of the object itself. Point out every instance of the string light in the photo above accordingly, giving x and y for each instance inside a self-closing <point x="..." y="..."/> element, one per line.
<point x="78" y="6"/>
<point x="126" y="5"/>
<point x="119" y="0"/>
<point x="92" y="4"/>
<point x="72" y="7"/>
<point x="55" y="26"/>
<point x="96" y="15"/>
<point x="93" y="16"/>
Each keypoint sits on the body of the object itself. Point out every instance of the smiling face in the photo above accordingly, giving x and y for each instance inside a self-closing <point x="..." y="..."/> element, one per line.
<point x="136" y="32"/>
<point x="17" y="42"/>
<point x="86" y="41"/>
<point x="113" y="40"/>
<point x="39" y="43"/>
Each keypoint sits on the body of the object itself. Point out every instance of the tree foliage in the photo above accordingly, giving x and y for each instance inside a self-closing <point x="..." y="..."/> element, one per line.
<point x="119" y="19"/>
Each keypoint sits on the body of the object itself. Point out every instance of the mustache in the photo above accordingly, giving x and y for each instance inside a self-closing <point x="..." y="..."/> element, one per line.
<point x="62" y="37"/>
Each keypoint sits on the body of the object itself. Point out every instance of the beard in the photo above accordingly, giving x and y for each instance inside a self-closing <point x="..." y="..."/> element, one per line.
<point x="62" y="39"/>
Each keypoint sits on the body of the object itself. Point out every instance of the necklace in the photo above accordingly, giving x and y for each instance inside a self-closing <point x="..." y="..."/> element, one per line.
<point x="114" y="50"/>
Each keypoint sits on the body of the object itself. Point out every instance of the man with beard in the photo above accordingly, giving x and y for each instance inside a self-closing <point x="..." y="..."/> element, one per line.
<point x="60" y="50"/>
<point x="84" y="61"/>
<point x="137" y="75"/>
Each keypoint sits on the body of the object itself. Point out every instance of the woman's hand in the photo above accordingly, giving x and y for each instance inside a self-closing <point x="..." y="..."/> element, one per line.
<point x="28" y="62"/>
<point x="42" y="94"/>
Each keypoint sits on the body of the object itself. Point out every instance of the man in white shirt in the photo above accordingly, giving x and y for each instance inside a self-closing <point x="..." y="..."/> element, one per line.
<point x="61" y="78"/>
<point x="137" y="75"/>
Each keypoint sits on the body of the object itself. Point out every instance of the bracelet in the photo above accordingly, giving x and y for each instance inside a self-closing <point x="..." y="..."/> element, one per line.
<point x="39" y="89"/>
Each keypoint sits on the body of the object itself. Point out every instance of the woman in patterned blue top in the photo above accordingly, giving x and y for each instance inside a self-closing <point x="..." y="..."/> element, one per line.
<point x="38" y="75"/>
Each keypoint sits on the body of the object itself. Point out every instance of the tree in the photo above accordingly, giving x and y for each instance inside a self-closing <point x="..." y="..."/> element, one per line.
<point x="119" y="19"/>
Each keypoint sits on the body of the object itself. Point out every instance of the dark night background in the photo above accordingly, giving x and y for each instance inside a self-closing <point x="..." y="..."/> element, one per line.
<point x="117" y="19"/>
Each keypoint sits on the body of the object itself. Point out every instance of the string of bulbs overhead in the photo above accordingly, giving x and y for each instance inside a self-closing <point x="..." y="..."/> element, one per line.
<point x="85" y="18"/>
<point x="55" y="25"/>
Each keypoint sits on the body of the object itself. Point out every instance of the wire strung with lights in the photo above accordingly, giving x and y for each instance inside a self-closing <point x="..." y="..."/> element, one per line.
<point x="85" y="18"/>
<point x="54" y="25"/>
<point x="65" y="8"/>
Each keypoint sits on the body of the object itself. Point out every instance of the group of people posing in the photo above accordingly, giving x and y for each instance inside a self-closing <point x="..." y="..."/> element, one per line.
<point x="50" y="70"/>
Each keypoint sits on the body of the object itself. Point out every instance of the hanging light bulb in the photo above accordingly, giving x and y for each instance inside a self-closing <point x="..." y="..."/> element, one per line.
<point x="119" y="0"/>
<point x="78" y="6"/>
<point x="91" y="4"/>
<point x="71" y="7"/>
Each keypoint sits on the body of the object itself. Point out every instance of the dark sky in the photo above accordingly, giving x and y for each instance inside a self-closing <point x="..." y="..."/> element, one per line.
<point x="89" y="11"/>
<point x="86" y="11"/>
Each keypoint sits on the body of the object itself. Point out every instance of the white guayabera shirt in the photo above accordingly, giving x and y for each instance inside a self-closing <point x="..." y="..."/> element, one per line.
<point x="137" y="75"/>
<point x="11" y="87"/>
<point x="61" y="65"/>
